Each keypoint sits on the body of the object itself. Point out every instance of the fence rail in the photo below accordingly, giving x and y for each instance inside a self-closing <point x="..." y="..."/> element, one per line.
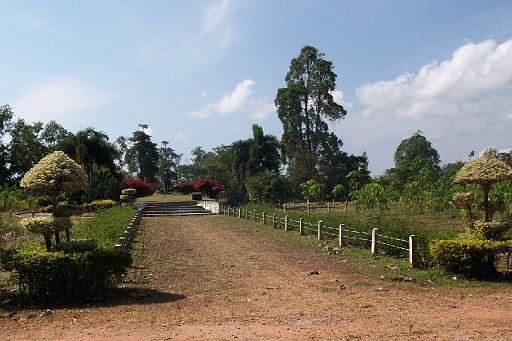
<point x="373" y="237"/>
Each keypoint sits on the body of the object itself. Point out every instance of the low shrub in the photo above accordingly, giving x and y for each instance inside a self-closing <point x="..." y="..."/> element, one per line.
<point x="129" y="191"/>
<point x="66" y="210"/>
<point x="126" y="199"/>
<point x="100" y="204"/>
<point x="49" y="276"/>
<point x="77" y="246"/>
<point x="472" y="257"/>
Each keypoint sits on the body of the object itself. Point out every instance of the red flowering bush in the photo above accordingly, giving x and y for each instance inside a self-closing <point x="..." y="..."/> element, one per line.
<point x="143" y="188"/>
<point x="209" y="187"/>
<point x="184" y="187"/>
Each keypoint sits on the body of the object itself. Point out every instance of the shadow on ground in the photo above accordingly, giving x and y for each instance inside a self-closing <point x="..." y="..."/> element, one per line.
<point x="10" y="300"/>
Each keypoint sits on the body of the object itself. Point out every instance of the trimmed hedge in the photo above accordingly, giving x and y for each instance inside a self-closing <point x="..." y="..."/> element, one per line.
<point x="49" y="276"/>
<point x="472" y="257"/>
<point x="100" y="204"/>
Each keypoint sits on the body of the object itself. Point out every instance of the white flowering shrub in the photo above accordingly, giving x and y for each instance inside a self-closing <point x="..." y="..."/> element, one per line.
<point x="484" y="171"/>
<point x="53" y="174"/>
<point x="41" y="225"/>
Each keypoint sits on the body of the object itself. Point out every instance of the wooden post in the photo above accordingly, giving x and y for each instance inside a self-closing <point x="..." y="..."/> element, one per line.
<point x="328" y="207"/>
<point x="413" y="251"/>
<point x="273" y="221"/>
<point x="319" y="232"/>
<point x="286" y="222"/>
<point x="246" y="214"/>
<point x="263" y="218"/>
<point x="301" y="226"/>
<point x="342" y="241"/>
<point x="375" y="241"/>
<point x="228" y="211"/>
<point x="284" y="208"/>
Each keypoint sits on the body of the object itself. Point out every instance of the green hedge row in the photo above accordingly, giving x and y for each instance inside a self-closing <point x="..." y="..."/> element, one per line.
<point x="49" y="276"/>
<point x="472" y="257"/>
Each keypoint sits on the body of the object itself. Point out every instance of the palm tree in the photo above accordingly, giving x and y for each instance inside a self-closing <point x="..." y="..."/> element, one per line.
<point x="143" y="126"/>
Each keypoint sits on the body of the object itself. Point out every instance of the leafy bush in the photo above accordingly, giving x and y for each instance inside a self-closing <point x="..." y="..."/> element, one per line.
<point x="47" y="276"/>
<point x="488" y="230"/>
<point x="67" y="210"/>
<point x="372" y="195"/>
<point x="142" y="187"/>
<point x="267" y="186"/>
<point x="312" y="190"/>
<point x="472" y="257"/>
<point x="184" y="187"/>
<point x="210" y="187"/>
<point x="100" y="205"/>
<point x="104" y="184"/>
<point x="77" y="246"/>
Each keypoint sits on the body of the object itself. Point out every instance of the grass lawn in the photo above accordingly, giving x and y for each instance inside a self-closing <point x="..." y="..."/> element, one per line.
<point x="393" y="223"/>
<point x="168" y="197"/>
<point x="106" y="226"/>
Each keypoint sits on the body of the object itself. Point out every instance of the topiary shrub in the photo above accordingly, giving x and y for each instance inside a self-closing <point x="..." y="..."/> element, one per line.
<point x="52" y="175"/>
<point x="47" y="276"/>
<point x="492" y="230"/>
<point x="472" y="257"/>
<point x="41" y="225"/>
<point x="100" y="204"/>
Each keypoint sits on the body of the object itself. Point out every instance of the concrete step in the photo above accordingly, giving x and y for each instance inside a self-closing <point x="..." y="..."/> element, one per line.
<point x="176" y="214"/>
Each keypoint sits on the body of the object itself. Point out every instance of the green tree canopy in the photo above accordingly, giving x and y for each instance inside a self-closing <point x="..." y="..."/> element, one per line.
<point x="303" y="107"/>
<point x="412" y="155"/>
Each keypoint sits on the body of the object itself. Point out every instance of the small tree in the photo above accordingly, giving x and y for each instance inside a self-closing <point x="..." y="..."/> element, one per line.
<point x="53" y="174"/>
<point x="484" y="171"/>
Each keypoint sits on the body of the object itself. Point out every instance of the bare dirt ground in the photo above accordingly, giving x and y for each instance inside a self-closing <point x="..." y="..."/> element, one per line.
<point x="219" y="278"/>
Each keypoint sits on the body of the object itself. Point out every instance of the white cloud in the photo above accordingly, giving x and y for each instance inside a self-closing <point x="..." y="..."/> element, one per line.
<point x="237" y="99"/>
<point x="338" y="97"/>
<point x="189" y="42"/>
<point x="180" y="136"/>
<point x="460" y="104"/>
<point x="202" y="113"/>
<point x="240" y="100"/>
<point x="214" y="16"/>
<point x="58" y="99"/>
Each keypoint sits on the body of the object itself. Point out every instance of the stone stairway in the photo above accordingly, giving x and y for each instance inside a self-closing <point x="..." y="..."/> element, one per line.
<point x="173" y="208"/>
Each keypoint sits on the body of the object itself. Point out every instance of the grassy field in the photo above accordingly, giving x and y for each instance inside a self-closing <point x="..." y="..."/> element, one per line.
<point x="393" y="223"/>
<point x="106" y="226"/>
<point x="168" y="197"/>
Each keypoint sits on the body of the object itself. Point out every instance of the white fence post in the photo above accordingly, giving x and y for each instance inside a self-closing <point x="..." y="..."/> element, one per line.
<point x="342" y="241"/>
<point x="319" y="232"/>
<point x="246" y="214"/>
<point x="263" y="218"/>
<point x="239" y="212"/>
<point x="301" y="226"/>
<point x="413" y="251"/>
<point x="284" y="208"/>
<point x="309" y="207"/>
<point x="254" y="212"/>
<point x="328" y="207"/>
<point x="273" y="221"/>
<point x="286" y="222"/>
<point x="375" y="241"/>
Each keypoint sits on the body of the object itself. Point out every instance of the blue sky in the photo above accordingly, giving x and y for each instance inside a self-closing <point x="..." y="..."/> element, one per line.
<point x="201" y="72"/>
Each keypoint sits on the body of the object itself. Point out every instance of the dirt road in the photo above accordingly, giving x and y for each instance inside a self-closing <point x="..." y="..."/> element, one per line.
<point x="220" y="278"/>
